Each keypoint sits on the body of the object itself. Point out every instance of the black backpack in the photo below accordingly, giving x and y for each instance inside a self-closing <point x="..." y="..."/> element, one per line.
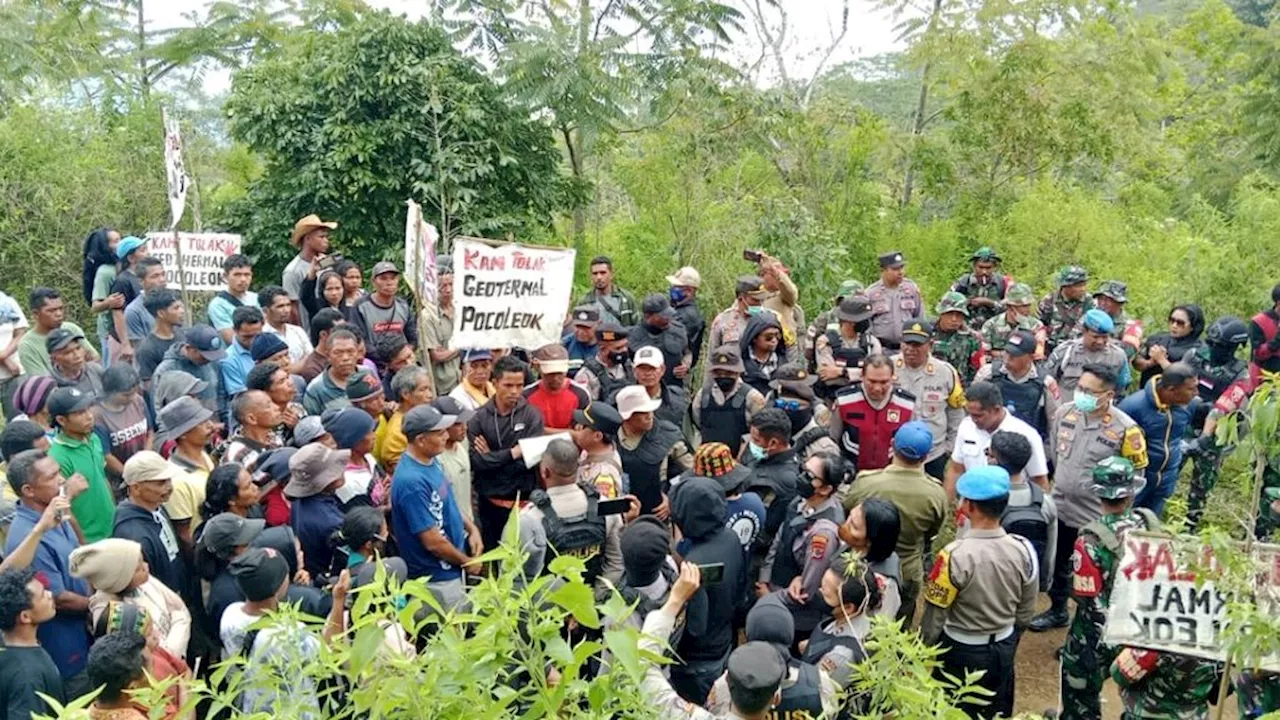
<point x="581" y="535"/>
<point x="1028" y="521"/>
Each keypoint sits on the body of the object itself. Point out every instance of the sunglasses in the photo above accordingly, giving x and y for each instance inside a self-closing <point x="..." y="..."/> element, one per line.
<point x="1178" y="321"/>
<point x="789" y="405"/>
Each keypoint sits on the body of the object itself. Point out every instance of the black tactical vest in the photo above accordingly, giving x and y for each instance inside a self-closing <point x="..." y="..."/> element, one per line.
<point x="725" y="423"/>
<point x="803" y="700"/>
<point x="643" y="465"/>
<point x="1024" y="399"/>
<point x="785" y="565"/>
<point x="581" y="536"/>
<point x="608" y="385"/>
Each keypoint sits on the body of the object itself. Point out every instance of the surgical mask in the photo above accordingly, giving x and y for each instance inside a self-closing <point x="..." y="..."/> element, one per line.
<point x="756" y="451"/>
<point x="619" y="358"/>
<point x="1084" y="402"/>
<point x="678" y="296"/>
<point x="754" y="309"/>
<point x="726" y="383"/>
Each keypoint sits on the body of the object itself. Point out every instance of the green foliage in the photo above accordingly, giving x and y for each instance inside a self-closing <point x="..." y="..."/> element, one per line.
<point x="352" y="123"/>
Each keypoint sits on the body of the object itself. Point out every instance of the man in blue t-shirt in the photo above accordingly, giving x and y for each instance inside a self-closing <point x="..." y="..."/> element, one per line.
<point x="435" y="540"/>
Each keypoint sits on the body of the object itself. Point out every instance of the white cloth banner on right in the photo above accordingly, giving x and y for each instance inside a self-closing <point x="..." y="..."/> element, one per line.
<point x="509" y="295"/>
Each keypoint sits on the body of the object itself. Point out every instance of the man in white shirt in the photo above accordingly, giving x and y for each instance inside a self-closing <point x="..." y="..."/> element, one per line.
<point x="13" y="324"/>
<point x="276" y="309"/>
<point x="987" y="416"/>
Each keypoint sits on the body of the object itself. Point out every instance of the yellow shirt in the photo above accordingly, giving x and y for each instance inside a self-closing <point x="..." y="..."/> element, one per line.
<point x="389" y="441"/>
<point x="188" y="489"/>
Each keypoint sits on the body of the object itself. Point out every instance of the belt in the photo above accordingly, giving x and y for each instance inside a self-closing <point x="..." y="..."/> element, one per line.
<point x="969" y="638"/>
<point x="501" y="502"/>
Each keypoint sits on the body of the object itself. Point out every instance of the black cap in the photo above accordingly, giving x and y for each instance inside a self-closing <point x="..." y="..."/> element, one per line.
<point x="920" y="331"/>
<point x="68" y="400"/>
<point x="586" y="315"/>
<point x="273" y="465"/>
<point x="794" y="379"/>
<point x="60" y="338"/>
<point x="757" y="668"/>
<point x="206" y="341"/>
<point x="224" y="532"/>
<point x="893" y="259"/>
<point x="1020" y="342"/>
<point x="259" y="572"/>
<point x="610" y="331"/>
<point x="425" y="418"/>
<point x="599" y="416"/>
<point x="646" y="543"/>
<point x="450" y="406"/>
<point x="657" y="305"/>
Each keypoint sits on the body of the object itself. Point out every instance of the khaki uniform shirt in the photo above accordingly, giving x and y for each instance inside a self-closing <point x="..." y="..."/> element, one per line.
<point x="588" y="380"/>
<point x="892" y="307"/>
<point x="1067" y="362"/>
<point x="604" y="471"/>
<point x="1078" y="443"/>
<point x="983" y="584"/>
<point x="437" y="330"/>
<point x="939" y="397"/>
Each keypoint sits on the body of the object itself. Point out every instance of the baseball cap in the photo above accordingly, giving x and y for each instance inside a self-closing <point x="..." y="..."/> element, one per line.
<point x="206" y="342"/>
<point x="552" y="359"/>
<point x="450" y="407"/>
<point x="68" y="400"/>
<point x="919" y="331"/>
<point x="224" y="532"/>
<point x="266" y="345"/>
<point x="635" y="398"/>
<point x="749" y="285"/>
<point x="756" y="668"/>
<point x="1099" y="321"/>
<point x="306" y="225"/>
<point x="273" y="465"/>
<point x="127" y="245"/>
<point x="953" y="302"/>
<point x="385" y="266"/>
<point x="1020" y="342"/>
<point x="362" y="385"/>
<point x="586" y="316"/>
<point x="260" y="572"/>
<point x="425" y="418"/>
<point x="657" y="305"/>
<point x="60" y="338"/>
<point x="610" y="331"/>
<point x="854" y="308"/>
<point x="685" y="277"/>
<point x="348" y="426"/>
<point x="913" y="441"/>
<point x="726" y="357"/>
<point x="477" y="354"/>
<point x="147" y="466"/>
<point x="599" y="416"/>
<point x="983" y="483"/>
<point x="648" y="355"/>
<point x="892" y="259"/>
<point x="1020" y="294"/>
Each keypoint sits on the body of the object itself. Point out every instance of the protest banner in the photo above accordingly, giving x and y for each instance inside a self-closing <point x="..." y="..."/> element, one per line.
<point x="202" y="256"/>
<point x="509" y="295"/>
<point x="175" y="172"/>
<point x="1164" y="596"/>
<point x="420" y="256"/>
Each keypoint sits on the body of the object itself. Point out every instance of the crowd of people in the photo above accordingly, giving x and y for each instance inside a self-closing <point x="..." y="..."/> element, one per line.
<point x="759" y="487"/>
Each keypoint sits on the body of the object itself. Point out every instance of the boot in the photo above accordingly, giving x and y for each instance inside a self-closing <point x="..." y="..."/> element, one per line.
<point x="1054" y="617"/>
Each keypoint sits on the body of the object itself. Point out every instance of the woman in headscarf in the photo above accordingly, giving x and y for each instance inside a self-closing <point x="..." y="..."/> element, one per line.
<point x="1186" y="324"/>
<point x="99" y="273"/>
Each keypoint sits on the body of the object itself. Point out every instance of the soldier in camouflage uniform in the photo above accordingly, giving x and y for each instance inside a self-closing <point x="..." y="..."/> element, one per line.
<point x="1061" y="311"/>
<point x="953" y="339"/>
<point x="1085" y="660"/>
<point x="1224" y="388"/>
<point x="1111" y="298"/>
<point x="826" y="319"/>
<point x="1016" y="316"/>
<point x="983" y="289"/>
<point x="1157" y="685"/>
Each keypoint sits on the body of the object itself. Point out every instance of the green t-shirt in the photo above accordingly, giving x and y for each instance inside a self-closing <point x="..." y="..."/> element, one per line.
<point x="102" y="279"/>
<point x="35" y="357"/>
<point x="95" y="508"/>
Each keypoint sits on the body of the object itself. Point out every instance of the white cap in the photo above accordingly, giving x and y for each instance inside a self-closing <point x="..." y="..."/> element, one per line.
<point x="685" y="277"/>
<point x="633" y="399"/>
<point x="648" y="355"/>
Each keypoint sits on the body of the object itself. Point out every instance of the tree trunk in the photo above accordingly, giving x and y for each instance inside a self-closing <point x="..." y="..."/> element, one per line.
<point x="144" y="83"/>
<point x="572" y="142"/>
<point x="917" y="121"/>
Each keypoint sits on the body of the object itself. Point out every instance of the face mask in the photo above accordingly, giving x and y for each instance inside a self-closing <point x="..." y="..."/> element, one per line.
<point x="804" y="488"/>
<point x="618" y="358"/>
<point x="726" y="383"/>
<point x="677" y="296"/>
<point x="653" y="329"/>
<point x="1085" y="402"/>
<point x="799" y="419"/>
<point x="754" y="310"/>
<point x="862" y="326"/>
<point x="756" y="451"/>
<point x="1221" y="354"/>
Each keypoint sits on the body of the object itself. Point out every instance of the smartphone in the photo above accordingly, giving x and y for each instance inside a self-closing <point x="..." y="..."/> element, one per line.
<point x="712" y="573"/>
<point x="751" y="255"/>
<point x="327" y="262"/>
<point x="617" y="506"/>
<point x="62" y="493"/>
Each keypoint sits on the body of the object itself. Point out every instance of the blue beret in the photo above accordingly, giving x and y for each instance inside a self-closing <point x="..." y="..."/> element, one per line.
<point x="984" y="483"/>
<point x="1099" y="321"/>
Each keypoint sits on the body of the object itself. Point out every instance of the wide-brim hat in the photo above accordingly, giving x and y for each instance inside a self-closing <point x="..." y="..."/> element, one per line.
<point x="306" y="225"/>
<point x="314" y="468"/>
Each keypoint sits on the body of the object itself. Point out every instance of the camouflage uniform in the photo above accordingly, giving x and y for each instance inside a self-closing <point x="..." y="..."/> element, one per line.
<point x="1061" y="317"/>
<point x="996" y="331"/>
<point x="1224" y="389"/>
<point x="971" y="287"/>
<point x="961" y="348"/>
<point x="1085" y="660"/>
<point x="1127" y="331"/>
<point x="1158" y="685"/>
<point x="1258" y="692"/>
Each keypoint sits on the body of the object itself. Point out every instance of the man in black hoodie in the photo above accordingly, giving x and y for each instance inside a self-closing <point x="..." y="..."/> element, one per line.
<point x="774" y="472"/>
<point x="148" y="479"/>
<point x="700" y="511"/>
<point x="498" y="471"/>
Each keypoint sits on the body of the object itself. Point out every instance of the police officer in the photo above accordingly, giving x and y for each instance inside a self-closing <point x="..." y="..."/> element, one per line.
<point x="807" y="541"/>
<point x="1030" y="396"/>
<point x="827" y="318"/>
<point x="1111" y="298"/>
<point x="1062" y="310"/>
<point x="1156" y="684"/>
<point x="953" y="339"/>
<point x="727" y="327"/>
<point x="1224" y="388"/>
<point x="610" y="369"/>
<point x="1017" y="315"/>
<point x="659" y="328"/>
<point x="982" y="288"/>
<point x="1084" y="433"/>
<point x="562" y="519"/>
<point x="792" y="392"/>
<point x="725" y="405"/>
<point x="1095" y="347"/>
<point x="867" y="414"/>
<point x="840" y="350"/>
<point x="894" y="300"/>
<point x="936" y="386"/>
<point x="982" y="591"/>
<point x="1085" y="660"/>
<point x="652" y="450"/>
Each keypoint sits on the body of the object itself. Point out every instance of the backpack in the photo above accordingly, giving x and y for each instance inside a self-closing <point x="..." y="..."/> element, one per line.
<point x="235" y="302"/>
<point x="1028" y="521"/>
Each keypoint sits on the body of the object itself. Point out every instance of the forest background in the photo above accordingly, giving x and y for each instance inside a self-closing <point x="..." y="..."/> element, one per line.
<point x="1140" y="139"/>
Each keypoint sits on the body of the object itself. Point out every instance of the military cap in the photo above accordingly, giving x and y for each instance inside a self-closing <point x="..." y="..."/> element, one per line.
<point x="983" y="483"/>
<point x="920" y="331"/>
<point x="953" y="302"/>
<point x="726" y="357"/>
<point x="756" y="667"/>
<point x="1072" y="275"/>
<point x="1115" y="290"/>
<point x="1020" y="342"/>
<point x="985" y="253"/>
<point x="1115" y="478"/>
<point x="794" y="380"/>
<point x="749" y="285"/>
<point x="1019" y="294"/>
<point x="893" y="259"/>
<point x="586" y="315"/>
<point x="850" y="287"/>
<point x="610" y="331"/>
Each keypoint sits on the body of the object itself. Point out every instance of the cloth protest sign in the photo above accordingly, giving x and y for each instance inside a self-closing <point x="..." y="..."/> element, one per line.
<point x="202" y="256"/>
<point x="175" y="171"/>
<point x="420" y="241"/>
<point x="1165" y="597"/>
<point x="509" y="295"/>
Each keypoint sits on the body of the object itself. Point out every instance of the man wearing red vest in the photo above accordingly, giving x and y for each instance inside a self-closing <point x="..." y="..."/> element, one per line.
<point x="1264" y="340"/>
<point x="868" y="413"/>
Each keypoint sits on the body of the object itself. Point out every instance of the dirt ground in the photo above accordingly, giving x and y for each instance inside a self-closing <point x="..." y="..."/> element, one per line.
<point x="1037" y="677"/>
